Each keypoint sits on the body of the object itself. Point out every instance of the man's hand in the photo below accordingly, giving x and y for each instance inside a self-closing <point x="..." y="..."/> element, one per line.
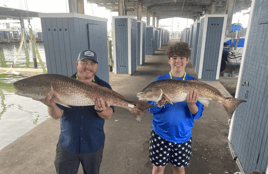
<point x="53" y="110"/>
<point x="101" y="105"/>
<point x="103" y="108"/>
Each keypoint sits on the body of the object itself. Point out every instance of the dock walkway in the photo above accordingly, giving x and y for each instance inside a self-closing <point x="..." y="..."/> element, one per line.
<point x="126" y="148"/>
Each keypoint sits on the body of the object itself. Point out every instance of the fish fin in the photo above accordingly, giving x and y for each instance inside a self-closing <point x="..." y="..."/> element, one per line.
<point x="205" y="85"/>
<point x="155" y="94"/>
<point x="164" y="100"/>
<point x="138" y="109"/>
<point x="58" y="100"/>
<point x="204" y="102"/>
<point x="230" y="105"/>
<point x="105" y="89"/>
<point x="62" y="104"/>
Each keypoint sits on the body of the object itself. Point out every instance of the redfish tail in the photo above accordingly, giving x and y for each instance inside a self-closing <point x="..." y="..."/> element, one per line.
<point x="230" y="105"/>
<point x="139" y="108"/>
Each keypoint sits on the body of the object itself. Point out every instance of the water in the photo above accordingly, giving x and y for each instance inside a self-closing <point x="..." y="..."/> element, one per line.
<point x="8" y="52"/>
<point x="18" y="114"/>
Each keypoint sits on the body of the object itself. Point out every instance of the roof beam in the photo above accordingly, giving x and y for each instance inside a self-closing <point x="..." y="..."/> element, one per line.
<point x="170" y="7"/>
<point x="175" y="8"/>
<point x="16" y="13"/>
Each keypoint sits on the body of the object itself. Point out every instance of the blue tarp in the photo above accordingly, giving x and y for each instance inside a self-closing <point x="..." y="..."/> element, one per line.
<point x="236" y="27"/>
<point x="240" y="43"/>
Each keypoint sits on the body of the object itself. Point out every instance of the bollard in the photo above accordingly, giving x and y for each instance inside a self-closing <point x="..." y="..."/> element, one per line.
<point x="34" y="55"/>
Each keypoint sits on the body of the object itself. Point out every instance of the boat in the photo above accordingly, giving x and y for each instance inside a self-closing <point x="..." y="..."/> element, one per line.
<point x="234" y="44"/>
<point x="5" y="35"/>
<point x="15" y="36"/>
<point x="39" y="36"/>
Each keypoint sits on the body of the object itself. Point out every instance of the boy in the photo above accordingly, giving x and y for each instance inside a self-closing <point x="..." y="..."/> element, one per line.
<point x="171" y="136"/>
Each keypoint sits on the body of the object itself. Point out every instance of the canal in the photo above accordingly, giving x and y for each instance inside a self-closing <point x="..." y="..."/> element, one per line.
<point x="18" y="114"/>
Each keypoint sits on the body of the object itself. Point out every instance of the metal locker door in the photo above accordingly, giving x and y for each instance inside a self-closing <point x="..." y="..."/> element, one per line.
<point x="213" y="41"/>
<point x="262" y="146"/>
<point x="262" y="160"/>
<point x="94" y="44"/>
<point x="133" y="45"/>
<point x="121" y="38"/>
<point x="250" y="129"/>
<point x="139" y="32"/>
<point x="149" y="41"/>
<point x="199" y="46"/>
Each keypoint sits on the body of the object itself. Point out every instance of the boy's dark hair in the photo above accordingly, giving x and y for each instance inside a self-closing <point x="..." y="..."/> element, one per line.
<point x="181" y="49"/>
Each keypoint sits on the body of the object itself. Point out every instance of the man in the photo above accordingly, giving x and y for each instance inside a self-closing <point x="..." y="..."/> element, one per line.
<point x="82" y="136"/>
<point x="171" y="136"/>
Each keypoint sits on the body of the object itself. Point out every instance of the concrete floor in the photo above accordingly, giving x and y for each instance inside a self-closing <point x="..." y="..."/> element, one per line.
<point x="127" y="141"/>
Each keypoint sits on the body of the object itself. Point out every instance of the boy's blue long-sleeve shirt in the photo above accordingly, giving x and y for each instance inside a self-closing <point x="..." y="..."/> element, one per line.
<point x="174" y="123"/>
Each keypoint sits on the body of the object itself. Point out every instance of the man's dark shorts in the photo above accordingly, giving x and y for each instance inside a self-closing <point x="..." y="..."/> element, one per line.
<point x="161" y="151"/>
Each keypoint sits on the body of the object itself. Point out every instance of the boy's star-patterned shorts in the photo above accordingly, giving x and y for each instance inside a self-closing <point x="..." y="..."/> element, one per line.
<point x="161" y="152"/>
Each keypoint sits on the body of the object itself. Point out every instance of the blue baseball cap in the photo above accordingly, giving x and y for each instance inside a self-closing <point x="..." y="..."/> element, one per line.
<point x="87" y="54"/>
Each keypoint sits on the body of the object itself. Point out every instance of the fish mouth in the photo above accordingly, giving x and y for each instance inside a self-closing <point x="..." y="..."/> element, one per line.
<point x="15" y="85"/>
<point x="19" y="93"/>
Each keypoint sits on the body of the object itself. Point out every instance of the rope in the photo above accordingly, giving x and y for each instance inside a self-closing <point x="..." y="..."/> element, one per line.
<point x="21" y="43"/>
<point x="36" y="50"/>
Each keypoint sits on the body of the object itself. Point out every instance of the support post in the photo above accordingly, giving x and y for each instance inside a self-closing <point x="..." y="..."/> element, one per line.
<point x="34" y="55"/>
<point x="198" y="16"/>
<point x="230" y="11"/>
<point x="139" y="10"/>
<point x="80" y="5"/>
<point x="21" y="23"/>
<point x="213" y="7"/>
<point x="148" y="17"/>
<point x="154" y="19"/>
<point x="121" y="8"/>
<point x="22" y="29"/>
<point x="73" y="6"/>
<point x="157" y="22"/>
<point x="110" y="59"/>
<point x="237" y="37"/>
<point x="25" y="37"/>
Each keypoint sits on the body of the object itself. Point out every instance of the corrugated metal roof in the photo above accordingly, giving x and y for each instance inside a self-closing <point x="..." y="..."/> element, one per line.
<point x="172" y="8"/>
<point x="16" y="13"/>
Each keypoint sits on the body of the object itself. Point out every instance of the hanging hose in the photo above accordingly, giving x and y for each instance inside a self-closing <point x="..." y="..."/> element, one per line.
<point x="36" y="49"/>
<point x="21" y="43"/>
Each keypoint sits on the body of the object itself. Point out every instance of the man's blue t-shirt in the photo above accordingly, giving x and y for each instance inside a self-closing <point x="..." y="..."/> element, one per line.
<point x="81" y="127"/>
<point x="174" y="123"/>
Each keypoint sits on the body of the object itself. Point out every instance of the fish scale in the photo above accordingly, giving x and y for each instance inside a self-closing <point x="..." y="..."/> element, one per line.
<point x="177" y="90"/>
<point x="70" y="92"/>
